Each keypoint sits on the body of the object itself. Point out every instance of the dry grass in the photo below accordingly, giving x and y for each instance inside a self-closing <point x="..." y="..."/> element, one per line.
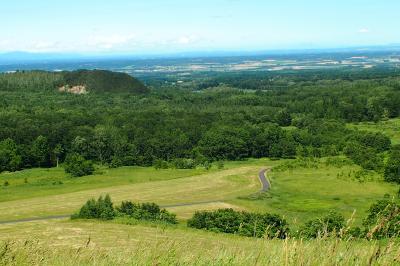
<point x="215" y="186"/>
<point x="96" y="243"/>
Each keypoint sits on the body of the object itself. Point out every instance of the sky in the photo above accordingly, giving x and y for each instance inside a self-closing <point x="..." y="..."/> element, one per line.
<point x="171" y="26"/>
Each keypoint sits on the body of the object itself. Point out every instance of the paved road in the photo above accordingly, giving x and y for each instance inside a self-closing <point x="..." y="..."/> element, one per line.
<point x="261" y="175"/>
<point x="54" y="217"/>
<point x="58" y="217"/>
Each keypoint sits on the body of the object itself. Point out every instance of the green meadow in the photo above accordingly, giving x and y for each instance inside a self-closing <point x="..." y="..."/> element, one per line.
<point x="390" y="128"/>
<point x="301" y="190"/>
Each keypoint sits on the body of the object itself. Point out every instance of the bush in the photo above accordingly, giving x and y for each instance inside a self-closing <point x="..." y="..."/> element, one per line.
<point x="115" y="162"/>
<point x="146" y="211"/>
<point x="182" y="163"/>
<point x="392" y="167"/>
<point x="241" y="223"/>
<point x="160" y="164"/>
<point x="101" y="209"/>
<point x="383" y="220"/>
<point x="328" y="225"/>
<point x="77" y="166"/>
<point x="366" y="157"/>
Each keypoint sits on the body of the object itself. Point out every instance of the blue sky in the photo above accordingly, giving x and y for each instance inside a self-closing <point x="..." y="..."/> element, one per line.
<point x="169" y="26"/>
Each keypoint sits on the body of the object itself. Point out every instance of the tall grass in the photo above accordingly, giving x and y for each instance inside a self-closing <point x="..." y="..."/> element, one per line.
<point x="322" y="251"/>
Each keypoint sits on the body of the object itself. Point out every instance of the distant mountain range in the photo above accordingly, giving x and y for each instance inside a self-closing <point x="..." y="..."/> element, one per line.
<point x="28" y="57"/>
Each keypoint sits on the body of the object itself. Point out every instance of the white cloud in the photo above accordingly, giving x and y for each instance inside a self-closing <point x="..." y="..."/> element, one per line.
<point x="44" y="46"/>
<point x="185" y="40"/>
<point x="109" y="41"/>
<point x="363" y="30"/>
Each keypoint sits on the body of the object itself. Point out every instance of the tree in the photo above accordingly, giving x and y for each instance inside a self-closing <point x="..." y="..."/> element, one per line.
<point x="81" y="146"/>
<point x="101" y="209"/>
<point x="224" y="143"/>
<point x="40" y="151"/>
<point x="77" y="166"/>
<point x="58" y="151"/>
<point x="10" y="160"/>
<point x="283" y="118"/>
<point x="109" y="143"/>
<point x="392" y="167"/>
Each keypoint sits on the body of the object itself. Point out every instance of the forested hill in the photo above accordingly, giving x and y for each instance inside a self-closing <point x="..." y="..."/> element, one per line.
<point x="39" y="128"/>
<point x="80" y="81"/>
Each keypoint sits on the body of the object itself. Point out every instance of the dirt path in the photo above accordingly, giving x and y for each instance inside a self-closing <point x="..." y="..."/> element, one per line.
<point x="261" y="175"/>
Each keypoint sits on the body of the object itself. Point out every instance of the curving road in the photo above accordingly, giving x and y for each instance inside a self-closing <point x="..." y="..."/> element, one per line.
<point x="262" y="175"/>
<point x="266" y="185"/>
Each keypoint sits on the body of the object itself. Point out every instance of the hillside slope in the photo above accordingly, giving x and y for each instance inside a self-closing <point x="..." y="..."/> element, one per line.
<point x="104" y="81"/>
<point x="70" y="81"/>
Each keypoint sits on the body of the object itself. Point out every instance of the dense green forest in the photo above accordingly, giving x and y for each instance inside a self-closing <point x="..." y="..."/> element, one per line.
<point x="124" y="123"/>
<point x="92" y="80"/>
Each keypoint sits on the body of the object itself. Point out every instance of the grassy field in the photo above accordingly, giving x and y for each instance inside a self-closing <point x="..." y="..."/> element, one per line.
<point x="44" y="182"/>
<point x="165" y="187"/>
<point x="303" y="193"/>
<point x="300" y="191"/>
<point x="103" y="243"/>
<point x="390" y="128"/>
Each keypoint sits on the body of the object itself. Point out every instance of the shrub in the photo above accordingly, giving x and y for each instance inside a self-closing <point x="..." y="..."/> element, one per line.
<point x="354" y="232"/>
<point x="146" y="211"/>
<point x="115" y="162"/>
<point x="101" y="209"/>
<point x="241" y="223"/>
<point x="366" y="157"/>
<point x="207" y="165"/>
<point x="328" y="225"/>
<point x="182" y="163"/>
<point x="160" y="164"/>
<point x="383" y="220"/>
<point x="392" y="167"/>
<point x="77" y="166"/>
